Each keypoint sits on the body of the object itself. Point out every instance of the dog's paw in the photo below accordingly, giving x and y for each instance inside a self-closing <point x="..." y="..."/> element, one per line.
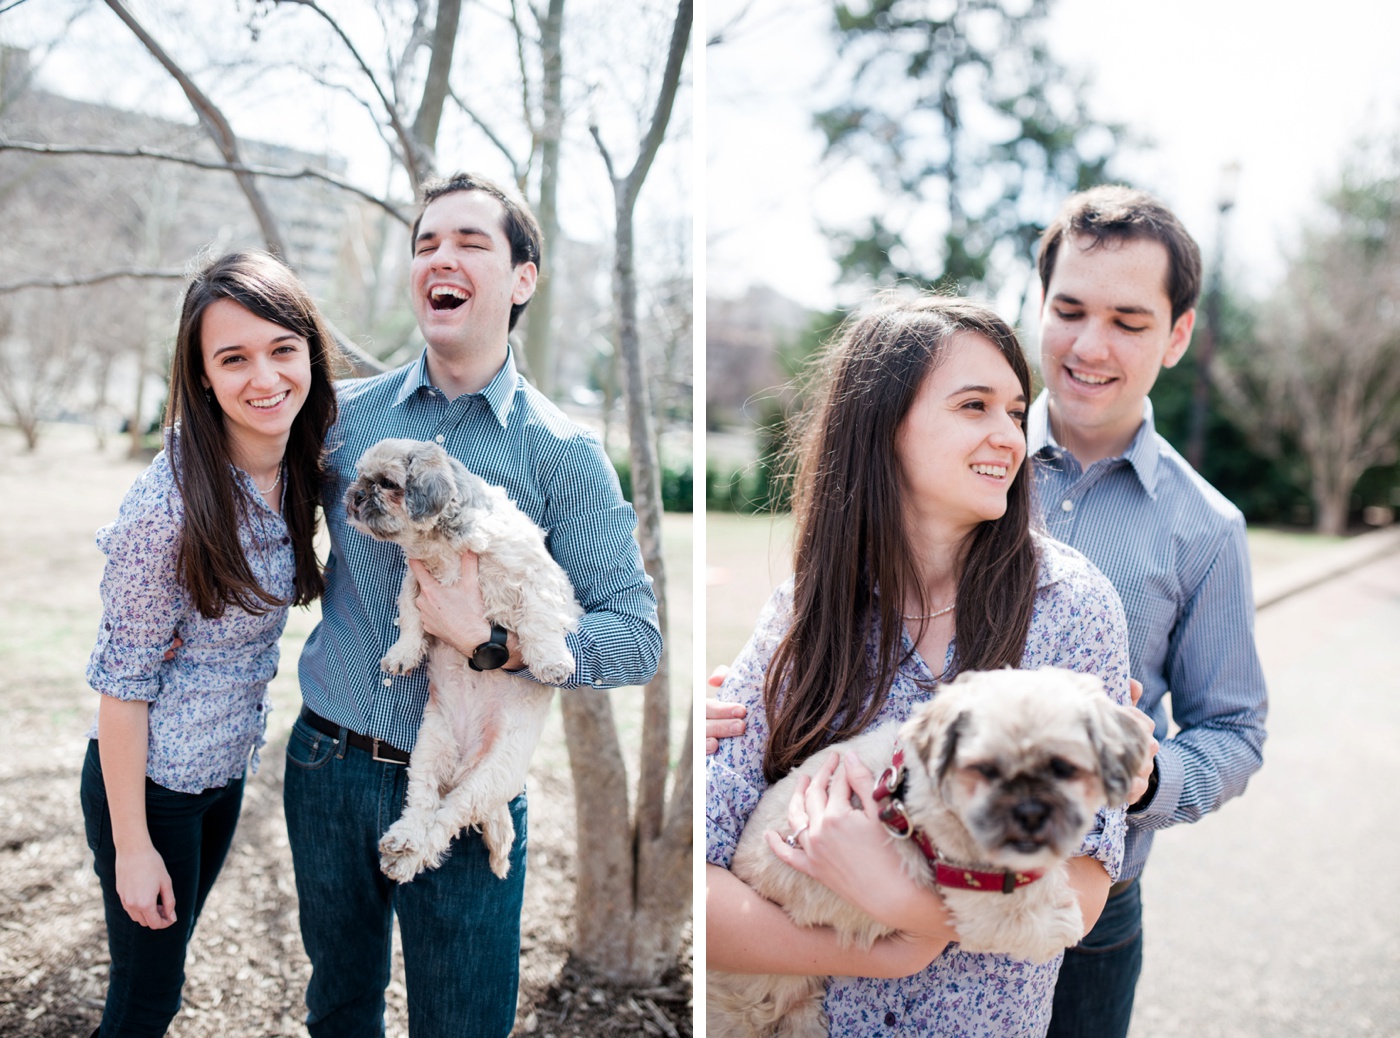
<point x="402" y="657"/>
<point x="553" y="670"/>
<point x="498" y="832"/>
<point x="401" y="857"/>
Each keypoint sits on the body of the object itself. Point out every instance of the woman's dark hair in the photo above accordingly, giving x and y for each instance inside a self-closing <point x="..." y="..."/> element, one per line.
<point x="851" y="540"/>
<point x="211" y="563"/>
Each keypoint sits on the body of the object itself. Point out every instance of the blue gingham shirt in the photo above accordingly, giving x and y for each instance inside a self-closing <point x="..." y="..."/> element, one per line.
<point x="209" y="705"/>
<point x="1175" y="549"/>
<point x="556" y="472"/>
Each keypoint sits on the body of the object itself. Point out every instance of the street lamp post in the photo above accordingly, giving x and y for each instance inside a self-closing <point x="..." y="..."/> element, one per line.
<point x="1205" y="352"/>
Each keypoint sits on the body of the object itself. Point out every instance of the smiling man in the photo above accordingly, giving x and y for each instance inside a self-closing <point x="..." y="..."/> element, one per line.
<point x="1120" y="277"/>
<point x="476" y="254"/>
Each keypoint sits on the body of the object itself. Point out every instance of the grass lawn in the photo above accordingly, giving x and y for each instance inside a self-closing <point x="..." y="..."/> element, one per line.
<point x="749" y="555"/>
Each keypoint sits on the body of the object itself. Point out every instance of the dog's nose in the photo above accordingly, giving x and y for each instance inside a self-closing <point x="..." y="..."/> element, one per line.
<point x="1031" y="815"/>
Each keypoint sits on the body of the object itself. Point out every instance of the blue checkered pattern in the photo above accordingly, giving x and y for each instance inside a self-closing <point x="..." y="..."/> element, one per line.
<point x="1175" y="549"/>
<point x="556" y="472"/>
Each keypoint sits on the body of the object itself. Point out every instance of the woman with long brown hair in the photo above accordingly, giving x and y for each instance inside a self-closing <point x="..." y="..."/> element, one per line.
<point x="213" y="542"/>
<point x="915" y="560"/>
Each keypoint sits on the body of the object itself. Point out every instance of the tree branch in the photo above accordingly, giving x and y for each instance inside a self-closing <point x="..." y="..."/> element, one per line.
<point x="415" y="162"/>
<point x="215" y="123"/>
<point x="670" y="82"/>
<point x="603" y="150"/>
<point x="143" y="152"/>
<point x="501" y="145"/>
<point x="435" y="88"/>
<point x="81" y="280"/>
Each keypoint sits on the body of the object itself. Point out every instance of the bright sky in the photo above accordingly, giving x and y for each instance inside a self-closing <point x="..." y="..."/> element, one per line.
<point x="98" y="59"/>
<point x="1213" y="82"/>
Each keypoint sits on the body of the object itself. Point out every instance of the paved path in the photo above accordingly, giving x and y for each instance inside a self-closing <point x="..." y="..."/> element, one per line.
<point x="1279" y="916"/>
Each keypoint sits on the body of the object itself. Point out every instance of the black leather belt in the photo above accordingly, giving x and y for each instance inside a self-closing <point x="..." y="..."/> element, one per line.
<point x="376" y="748"/>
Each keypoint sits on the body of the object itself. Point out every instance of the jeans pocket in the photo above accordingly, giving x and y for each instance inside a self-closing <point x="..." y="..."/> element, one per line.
<point x="309" y="749"/>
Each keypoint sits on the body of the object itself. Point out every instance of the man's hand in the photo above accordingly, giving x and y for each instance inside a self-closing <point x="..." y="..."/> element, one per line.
<point x="722" y="720"/>
<point x="1144" y="776"/>
<point x="175" y="642"/>
<point x="456" y="612"/>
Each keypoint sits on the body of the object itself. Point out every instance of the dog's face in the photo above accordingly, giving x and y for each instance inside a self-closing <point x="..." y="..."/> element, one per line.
<point x="1026" y="758"/>
<point x="403" y="486"/>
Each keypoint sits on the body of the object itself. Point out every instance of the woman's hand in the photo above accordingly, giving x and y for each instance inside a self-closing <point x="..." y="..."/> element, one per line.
<point x="144" y="887"/>
<point x="849" y="851"/>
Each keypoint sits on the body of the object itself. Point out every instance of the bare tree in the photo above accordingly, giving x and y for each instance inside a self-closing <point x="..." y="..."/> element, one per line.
<point x="633" y="890"/>
<point x="1324" y="373"/>
<point x="38" y="349"/>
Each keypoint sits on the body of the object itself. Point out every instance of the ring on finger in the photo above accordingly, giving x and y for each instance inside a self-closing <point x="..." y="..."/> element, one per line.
<point x="792" y="840"/>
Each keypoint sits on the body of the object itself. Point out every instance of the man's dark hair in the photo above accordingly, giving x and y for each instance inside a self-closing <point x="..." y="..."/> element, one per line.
<point x="1112" y="214"/>
<point x="521" y="228"/>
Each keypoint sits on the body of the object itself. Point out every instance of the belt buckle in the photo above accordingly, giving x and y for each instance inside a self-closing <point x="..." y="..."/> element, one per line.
<point x="374" y="752"/>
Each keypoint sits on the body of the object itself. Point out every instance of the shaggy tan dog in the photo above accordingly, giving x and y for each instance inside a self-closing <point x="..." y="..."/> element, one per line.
<point x="480" y="726"/>
<point x="1001" y="775"/>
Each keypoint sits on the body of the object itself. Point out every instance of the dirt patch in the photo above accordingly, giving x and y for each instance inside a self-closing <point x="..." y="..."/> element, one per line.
<point x="246" y="969"/>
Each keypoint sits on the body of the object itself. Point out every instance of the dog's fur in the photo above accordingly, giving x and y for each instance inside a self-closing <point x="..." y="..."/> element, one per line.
<point x="1006" y="770"/>
<point x="480" y="727"/>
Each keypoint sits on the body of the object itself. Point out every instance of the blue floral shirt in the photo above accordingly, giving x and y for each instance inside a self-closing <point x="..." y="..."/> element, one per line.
<point x="209" y="705"/>
<point x="1077" y="623"/>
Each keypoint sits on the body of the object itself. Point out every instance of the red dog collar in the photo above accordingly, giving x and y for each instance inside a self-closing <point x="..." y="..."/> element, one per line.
<point x="889" y="788"/>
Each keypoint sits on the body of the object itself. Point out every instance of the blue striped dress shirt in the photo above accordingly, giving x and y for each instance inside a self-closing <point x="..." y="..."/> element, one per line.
<point x="1175" y="549"/>
<point x="510" y="435"/>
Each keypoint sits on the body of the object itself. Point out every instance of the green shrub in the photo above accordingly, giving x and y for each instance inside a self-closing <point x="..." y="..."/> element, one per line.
<point x="677" y="484"/>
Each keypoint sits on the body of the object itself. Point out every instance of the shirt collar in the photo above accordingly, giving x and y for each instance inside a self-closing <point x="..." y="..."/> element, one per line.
<point x="1141" y="454"/>
<point x="499" y="393"/>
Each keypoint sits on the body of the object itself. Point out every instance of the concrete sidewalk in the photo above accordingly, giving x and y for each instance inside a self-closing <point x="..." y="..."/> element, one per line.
<point x="1284" y="581"/>
<point x="1278" y="915"/>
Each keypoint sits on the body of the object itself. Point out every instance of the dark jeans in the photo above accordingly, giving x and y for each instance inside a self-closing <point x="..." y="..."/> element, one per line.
<point x="192" y="833"/>
<point x="1094" y="995"/>
<point x="460" y="925"/>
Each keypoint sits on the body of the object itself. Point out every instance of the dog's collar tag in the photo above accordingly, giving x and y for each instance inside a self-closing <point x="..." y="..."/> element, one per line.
<point x="889" y="789"/>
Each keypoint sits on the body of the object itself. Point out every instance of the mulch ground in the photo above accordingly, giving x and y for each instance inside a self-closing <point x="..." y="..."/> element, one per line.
<point x="246" y="969"/>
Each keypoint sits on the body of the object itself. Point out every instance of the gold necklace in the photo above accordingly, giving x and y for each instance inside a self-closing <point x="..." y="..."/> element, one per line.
<point x="267" y="490"/>
<point x="933" y="616"/>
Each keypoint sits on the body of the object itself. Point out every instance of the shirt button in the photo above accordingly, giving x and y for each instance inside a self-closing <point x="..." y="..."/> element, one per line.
<point x="286" y="540"/>
<point x="1067" y="505"/>
<point x="440" y="438"/>
<point x="388" y="682"/>
<point x="891" y="1019"/>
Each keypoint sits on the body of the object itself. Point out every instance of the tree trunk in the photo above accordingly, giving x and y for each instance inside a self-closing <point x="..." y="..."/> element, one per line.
<point x="217" y="127"/>
<point x="435" y="87"/>
<point x="540" y="355"/>
<point x="630" y="911"/>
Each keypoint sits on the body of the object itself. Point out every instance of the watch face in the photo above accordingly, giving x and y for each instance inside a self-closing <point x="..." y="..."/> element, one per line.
<point x="489" y="656"/>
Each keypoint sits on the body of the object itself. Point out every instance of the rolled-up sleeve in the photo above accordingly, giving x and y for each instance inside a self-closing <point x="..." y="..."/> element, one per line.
<point x="143" y="601"/>
<point x="734" y="779"/>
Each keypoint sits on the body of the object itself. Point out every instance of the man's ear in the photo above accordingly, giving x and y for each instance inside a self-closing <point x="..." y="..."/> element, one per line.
<point x="1180" y="338"/>
<point x="525" y="277"/>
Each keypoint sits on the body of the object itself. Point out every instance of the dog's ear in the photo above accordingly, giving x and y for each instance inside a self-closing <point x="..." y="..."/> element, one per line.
<point x="948" y="752"/>
<point x="1120" y="744"/>
<point x="428" y="481"/>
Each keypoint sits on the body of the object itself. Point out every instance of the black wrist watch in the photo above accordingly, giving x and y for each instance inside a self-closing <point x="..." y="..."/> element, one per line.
<point x="1144" y="801"/>
<point x="493" y="654"/>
